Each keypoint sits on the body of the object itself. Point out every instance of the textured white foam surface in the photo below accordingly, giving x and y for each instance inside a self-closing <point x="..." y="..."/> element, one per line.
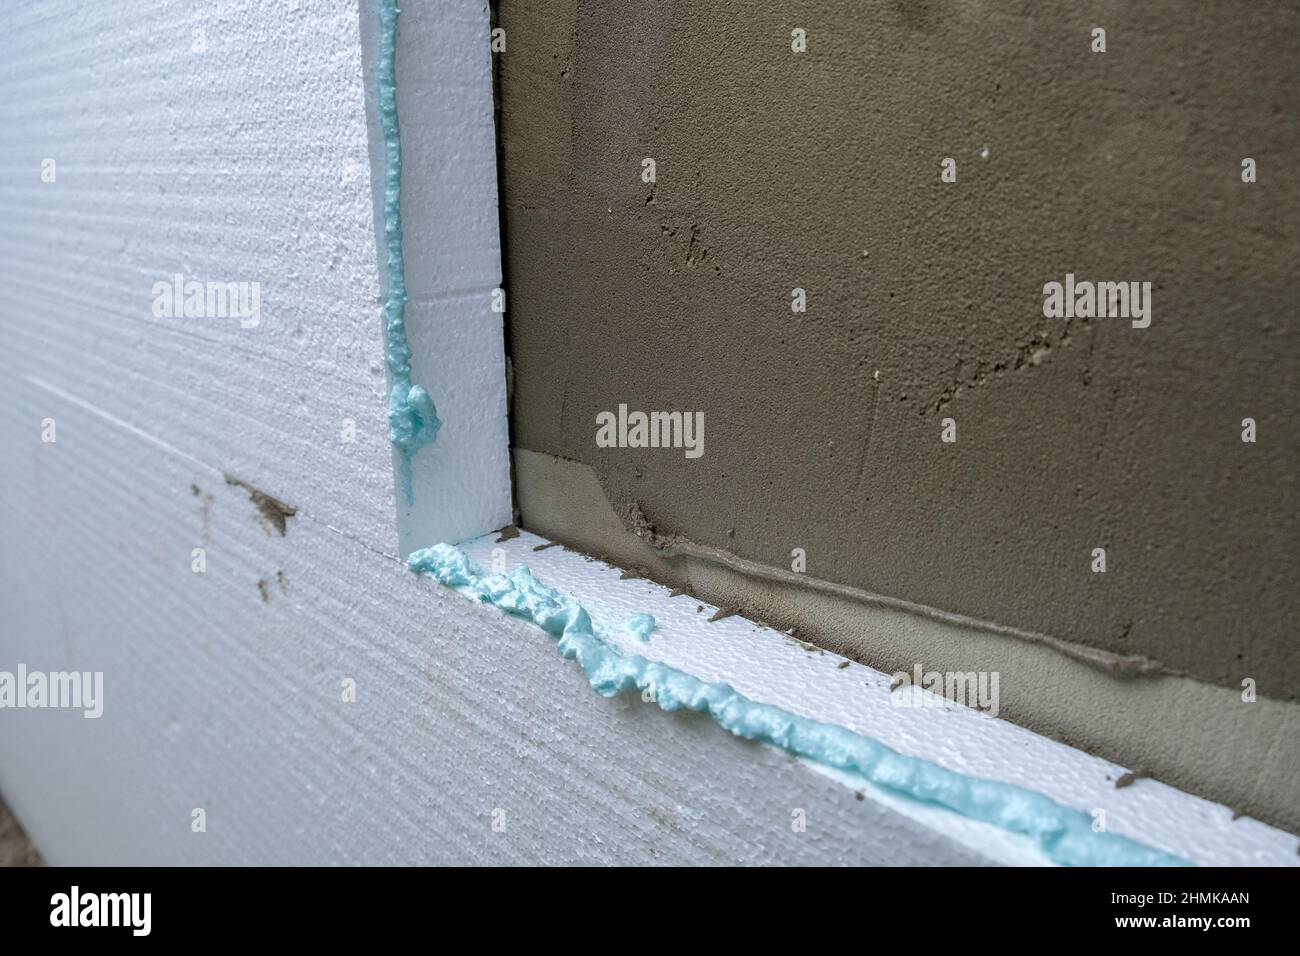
<point x="768" y="666"/>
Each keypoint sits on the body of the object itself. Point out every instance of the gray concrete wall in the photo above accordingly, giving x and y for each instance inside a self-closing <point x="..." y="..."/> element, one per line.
<point x="821" y="170"/>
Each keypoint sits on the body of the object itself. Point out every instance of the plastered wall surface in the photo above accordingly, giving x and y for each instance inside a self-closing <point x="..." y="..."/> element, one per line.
<point x="821" y="170"/>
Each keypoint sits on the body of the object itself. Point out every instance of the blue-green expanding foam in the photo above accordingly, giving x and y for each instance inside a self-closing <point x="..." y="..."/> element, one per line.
<point x="1064" y="835"/>
<point x="641" y="626"/>
<point x="412" y="418"/>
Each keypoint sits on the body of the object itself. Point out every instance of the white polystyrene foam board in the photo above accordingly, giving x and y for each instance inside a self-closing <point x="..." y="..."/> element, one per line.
<point x="224" y="141"/>
<point x="768" y="666"/>
<point x="219" y="698"/>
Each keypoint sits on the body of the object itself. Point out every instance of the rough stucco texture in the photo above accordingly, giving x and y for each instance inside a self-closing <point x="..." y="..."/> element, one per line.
<point x="821" y="170"/>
